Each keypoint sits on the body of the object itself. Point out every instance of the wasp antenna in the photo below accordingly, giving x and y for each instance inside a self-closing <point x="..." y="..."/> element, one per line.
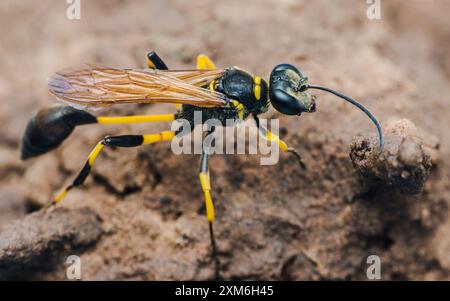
<point x="358" y="105"/>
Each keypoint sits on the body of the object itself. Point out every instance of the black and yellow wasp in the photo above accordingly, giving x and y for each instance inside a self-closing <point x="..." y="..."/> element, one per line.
<point x="222" y="94"/>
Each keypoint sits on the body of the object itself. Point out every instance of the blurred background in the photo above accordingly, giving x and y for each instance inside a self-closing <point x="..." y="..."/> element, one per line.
<point x="274" y="222"/>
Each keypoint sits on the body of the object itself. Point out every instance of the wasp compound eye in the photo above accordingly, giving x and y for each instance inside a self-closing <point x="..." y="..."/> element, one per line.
<point x="286" y="103"/>
<point x="49" y="127"/>
<point x="284" y="67"/>
<point x="286" y="93"/>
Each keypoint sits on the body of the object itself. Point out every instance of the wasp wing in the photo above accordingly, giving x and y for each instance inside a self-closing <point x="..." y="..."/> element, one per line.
<point x="96" y="86"/>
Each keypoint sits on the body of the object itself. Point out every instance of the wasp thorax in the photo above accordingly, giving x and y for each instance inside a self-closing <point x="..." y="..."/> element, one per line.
<point x="287" y="91"/>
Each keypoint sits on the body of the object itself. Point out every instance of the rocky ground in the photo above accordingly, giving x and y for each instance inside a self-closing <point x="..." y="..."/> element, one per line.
<point x="141" y="214"/>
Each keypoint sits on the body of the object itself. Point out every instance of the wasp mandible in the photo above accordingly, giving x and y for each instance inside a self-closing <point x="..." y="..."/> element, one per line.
<point x="229" y="93"/>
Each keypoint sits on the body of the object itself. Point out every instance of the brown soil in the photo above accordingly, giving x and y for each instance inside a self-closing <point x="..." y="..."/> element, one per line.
<point x="273" y="222"/>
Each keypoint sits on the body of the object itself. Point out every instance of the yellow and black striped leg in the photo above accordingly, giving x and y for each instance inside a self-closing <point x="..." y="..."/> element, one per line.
<point x="210" y="215"/>
<point x="115" y="141"/>
<point x="52" y="125"/>
<point x="282" y="145"/>
<point x="155" y="62"/>
<point x="134" y="119"/>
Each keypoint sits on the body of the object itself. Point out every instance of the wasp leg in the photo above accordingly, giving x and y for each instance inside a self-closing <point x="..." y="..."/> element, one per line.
<point x="155" y="62"/>
<point x="281" y="144"/>
<point x="52" y="125"/>
<point x="115" y="141"/>
<point x="135" y="119"/>
<point x="210" y="216"/>
<point x="204" y="62"/>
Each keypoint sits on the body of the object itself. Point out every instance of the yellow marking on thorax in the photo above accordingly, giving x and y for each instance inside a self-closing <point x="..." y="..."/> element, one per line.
<point x="257" y="87"/>
<point x="240" y="108"/>
<point x="213" y="85"/>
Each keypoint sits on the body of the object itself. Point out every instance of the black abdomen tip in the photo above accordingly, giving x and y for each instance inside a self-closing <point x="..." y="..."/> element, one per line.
<point x="49" y="127"/>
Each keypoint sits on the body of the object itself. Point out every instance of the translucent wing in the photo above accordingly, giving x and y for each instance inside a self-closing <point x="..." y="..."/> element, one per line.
<point x="95" y="86"/>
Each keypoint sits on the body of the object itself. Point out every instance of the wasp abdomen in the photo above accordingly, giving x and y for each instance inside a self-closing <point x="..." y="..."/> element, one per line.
<point x="49" y="127"/>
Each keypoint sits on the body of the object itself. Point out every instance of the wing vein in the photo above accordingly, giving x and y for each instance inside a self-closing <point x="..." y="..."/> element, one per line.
<point x="96" y="86"/>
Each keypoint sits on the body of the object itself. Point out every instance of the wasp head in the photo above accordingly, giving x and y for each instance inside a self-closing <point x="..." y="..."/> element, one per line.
<point x="288" y="91"/>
